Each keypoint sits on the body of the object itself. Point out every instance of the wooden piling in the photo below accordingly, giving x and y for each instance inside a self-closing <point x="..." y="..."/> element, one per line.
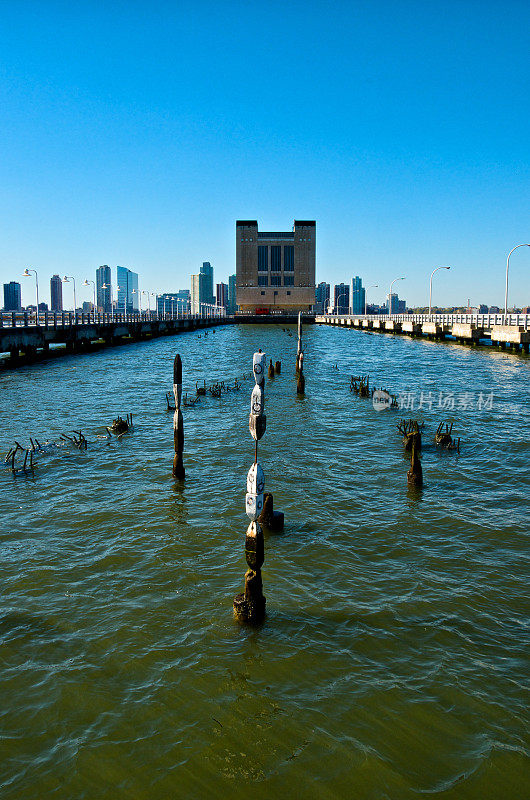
<point x="269" y="518"/>
<point x="300" y="383"/>
<point x="278" y="367"/>
<point x="178" y="422"/>
<point x="271" y="369"/>
<point x="249" y="606"/>
<point x="299" y="345"/>
<point x="415" y="473"/>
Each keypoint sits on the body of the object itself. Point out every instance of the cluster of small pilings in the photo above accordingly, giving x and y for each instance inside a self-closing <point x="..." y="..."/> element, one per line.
<point x="249" y="606"/>
<point x="120" y="426"/>
<point x="411" y="432"/>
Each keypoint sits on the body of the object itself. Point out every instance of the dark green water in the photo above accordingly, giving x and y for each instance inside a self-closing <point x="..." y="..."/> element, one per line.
<point x="394" y="659"/>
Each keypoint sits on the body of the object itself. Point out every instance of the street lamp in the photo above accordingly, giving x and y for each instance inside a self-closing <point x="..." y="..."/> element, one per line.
<point x="390" y="295"/>
<point x="67" y="279"/>
<point x="373" y="286"/>
<point x="109" y="286"/>
<point x="135" y="291"/>
<point x="430" y="287"/>
<point x="26" y="274"/>
<point x="507" y="268"/>
<point x="86" y="282"/>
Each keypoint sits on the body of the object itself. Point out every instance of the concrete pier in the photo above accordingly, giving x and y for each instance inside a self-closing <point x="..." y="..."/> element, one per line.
<point x="463" y="331"/>
<point x="506" y="331"/>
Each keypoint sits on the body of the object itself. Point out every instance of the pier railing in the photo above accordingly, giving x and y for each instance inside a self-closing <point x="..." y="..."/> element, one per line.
<point x="52" y="320"/>
<point x="485" y="321"/>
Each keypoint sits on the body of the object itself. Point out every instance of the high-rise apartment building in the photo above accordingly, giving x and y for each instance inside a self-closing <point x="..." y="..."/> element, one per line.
<point x="341" y="298"/>
<point x="221" y="295"/>
<point x="207" y="270"/>
<point x="232" y="305"/>
<point x="357" y="296"/>
<point x="394" y="303"/>
<point x="56" y="293"/>
<point x="322" y="298"/>
<point x="202" y="288"/>
<point x="128" y="300"/>
<point x="103" y="289"/>
<point x="12" y="296"/>
<point x="275" y="271"/>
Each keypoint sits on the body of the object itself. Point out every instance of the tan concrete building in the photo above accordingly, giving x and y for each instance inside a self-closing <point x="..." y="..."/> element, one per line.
<point x="275" y="271"/>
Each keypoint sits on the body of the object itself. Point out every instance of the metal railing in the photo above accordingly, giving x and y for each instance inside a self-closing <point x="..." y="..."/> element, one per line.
<point x="485" y="321"/>
<point x="63" y="319"/>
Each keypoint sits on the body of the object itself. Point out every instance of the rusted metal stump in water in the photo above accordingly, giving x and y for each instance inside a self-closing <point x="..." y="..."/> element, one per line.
<point x="249" y="606"/>
<point x="178" y="422"/>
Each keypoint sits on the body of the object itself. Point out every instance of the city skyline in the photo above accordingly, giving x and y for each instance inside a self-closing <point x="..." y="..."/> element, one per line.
<point x="410" y="153"/>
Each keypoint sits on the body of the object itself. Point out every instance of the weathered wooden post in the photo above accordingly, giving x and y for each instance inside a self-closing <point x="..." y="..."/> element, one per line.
<point x="299" y="347"/>
<point x="278" y="367"/>
<point x="270" y="373"/>
<point x="415" y="473"/>
<point x="250" y="605"/>
<point x="300" y="383"/>
<point x="178" y="422"/>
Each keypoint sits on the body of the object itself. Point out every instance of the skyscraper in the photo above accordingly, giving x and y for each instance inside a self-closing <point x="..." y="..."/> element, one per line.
<point x="221" y="295"/>
<point x="207" y="270"/>
<point x="357" y="296"/>
<point x="232" y="306"/>
<point x="341" y="298"/>
<point x="56" y="293"/>
<point x="202" y="288"/>
<point x="322" y="298"/>
<point x="103" y="289"/>
<point x="394" y="303"/>
<point x="127" y="291"/>
<point x="12" y="296"/>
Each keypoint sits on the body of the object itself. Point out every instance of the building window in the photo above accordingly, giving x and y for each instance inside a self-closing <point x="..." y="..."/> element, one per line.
<point x="288" y="280"/>
<point x="263" y="280"/>
<point x="262" y="292"/>
<point x="288" y="258"/>
<point x="288" y="292"/>
<point x="276" y="280"/>
<point x="263" y="258"/>
<point x="276" y="258"/>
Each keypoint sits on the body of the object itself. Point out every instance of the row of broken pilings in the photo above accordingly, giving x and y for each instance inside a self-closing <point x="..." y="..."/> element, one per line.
<point x="118" y="427"/>
<point x="218" y="388"/>
<point x="249" y="606"/>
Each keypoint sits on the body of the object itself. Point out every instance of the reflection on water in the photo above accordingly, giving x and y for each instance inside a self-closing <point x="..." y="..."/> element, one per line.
<point x="393" y="660"/>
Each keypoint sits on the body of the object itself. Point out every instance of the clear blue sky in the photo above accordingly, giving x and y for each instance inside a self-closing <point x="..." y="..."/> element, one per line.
<point x="136" y="133"/>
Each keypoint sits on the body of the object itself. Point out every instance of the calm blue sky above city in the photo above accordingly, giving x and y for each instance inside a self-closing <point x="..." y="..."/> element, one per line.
<point x="136" y="133"/>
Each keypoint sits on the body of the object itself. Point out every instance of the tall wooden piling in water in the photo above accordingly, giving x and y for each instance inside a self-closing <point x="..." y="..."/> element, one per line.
<point x="249" y="606"/>
<point x="299" y="345"/>
<point x="300" y="381"/>
<point x="178" y="422"/>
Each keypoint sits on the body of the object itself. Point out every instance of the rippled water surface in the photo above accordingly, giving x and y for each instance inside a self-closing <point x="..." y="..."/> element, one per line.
<point x="393" y="662"/>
